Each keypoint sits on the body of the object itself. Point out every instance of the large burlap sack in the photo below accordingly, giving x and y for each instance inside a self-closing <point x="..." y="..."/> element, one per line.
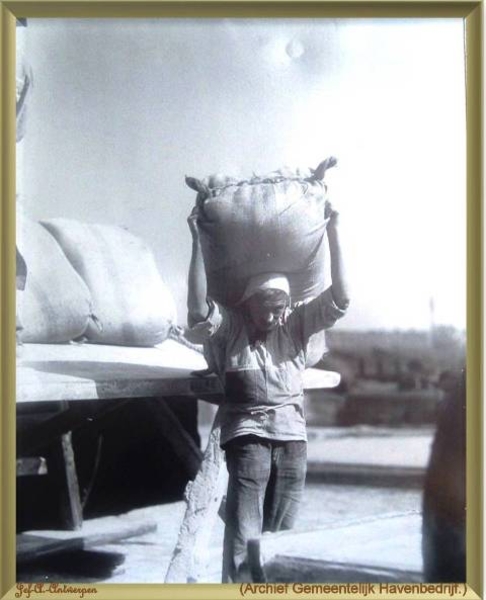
<point x="133" y="305"/>
<point x="55" y="304"/>
<point x="267" y="224"/>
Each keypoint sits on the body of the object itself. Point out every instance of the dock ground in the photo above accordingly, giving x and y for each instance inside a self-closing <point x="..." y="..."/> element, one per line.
<point x="354" y="473"/>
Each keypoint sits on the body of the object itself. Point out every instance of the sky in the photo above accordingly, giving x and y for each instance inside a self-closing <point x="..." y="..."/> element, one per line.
<point x="121" y="111"/>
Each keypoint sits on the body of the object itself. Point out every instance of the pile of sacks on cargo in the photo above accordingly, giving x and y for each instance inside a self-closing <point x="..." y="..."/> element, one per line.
<point x="99" y="283"/>
<point x="89" y="282"/>
<point x="266" y="224"/>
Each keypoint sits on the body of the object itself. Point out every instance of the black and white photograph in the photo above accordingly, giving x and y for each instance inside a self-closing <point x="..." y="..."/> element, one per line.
<point x="241" y="260"/>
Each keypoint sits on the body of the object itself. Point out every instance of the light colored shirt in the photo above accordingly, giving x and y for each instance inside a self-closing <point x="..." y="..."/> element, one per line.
<point x="263" y="383"/>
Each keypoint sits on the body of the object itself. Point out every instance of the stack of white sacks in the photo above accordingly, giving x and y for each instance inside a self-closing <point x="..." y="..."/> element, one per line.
<point x="90" y="282"/>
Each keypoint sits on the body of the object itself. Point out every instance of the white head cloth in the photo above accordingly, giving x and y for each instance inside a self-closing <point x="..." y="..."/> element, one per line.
<point x="266" y="281"/>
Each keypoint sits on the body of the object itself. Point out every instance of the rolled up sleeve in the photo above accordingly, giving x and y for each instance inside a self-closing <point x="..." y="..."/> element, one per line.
<point x="202" y="331"/>
<point x="320" y="313"/>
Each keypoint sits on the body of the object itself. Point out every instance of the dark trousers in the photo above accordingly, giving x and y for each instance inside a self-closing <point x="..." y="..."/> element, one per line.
<point x="266" y="482"/>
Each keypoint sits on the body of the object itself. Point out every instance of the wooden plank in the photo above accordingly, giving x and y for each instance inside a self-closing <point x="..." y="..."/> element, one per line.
<point x="365" y="474"/>
<point x="49" y="372"/>
<point x="319" y="379"/>
<point x="73" y="507"/>
<point x="287" y="569"/>
<point x="172" y="384"/>
<point x="389" y="544"/>
<point x="33" y="545"/>
<point x="104" y="538"/>
<point x="203" y="498"/>
<point x="62" y="472"/>
<point x="32" y="465"/>
<point x="29" y="414"/>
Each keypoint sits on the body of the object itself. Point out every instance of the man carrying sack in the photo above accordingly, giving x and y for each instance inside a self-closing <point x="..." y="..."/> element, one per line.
<point x="258" y="348"/>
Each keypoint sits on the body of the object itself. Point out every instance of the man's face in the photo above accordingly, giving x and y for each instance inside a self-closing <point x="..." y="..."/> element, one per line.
<point x="265" y="313"/>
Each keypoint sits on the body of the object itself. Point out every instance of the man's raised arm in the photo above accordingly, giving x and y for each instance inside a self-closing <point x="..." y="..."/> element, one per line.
<point x="339" y="288"/>
<point x="197" y="304"/>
